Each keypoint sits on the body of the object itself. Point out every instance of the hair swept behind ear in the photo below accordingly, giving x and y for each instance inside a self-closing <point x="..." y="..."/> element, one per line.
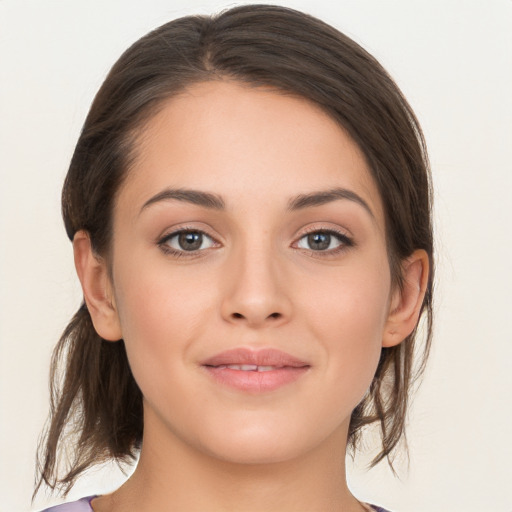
<point x="387" y="401"/>
<point x="96" y="402"/>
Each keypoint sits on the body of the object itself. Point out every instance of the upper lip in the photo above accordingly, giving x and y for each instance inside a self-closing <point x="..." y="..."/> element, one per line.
<point x="261" y="357"/>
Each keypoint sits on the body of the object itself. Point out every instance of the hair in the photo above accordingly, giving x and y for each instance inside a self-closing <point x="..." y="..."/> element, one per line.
<point x="95" y="401"/>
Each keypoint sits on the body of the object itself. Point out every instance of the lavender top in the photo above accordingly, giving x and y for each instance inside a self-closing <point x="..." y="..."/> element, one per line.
<point x="84" y="505"/>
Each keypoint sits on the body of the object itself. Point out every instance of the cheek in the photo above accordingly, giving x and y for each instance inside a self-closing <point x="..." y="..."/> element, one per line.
<point x="160" y="317"/>
<point x="348" y="318"/>
<point x="354" y="299"/>
<point x="154" y="299"/>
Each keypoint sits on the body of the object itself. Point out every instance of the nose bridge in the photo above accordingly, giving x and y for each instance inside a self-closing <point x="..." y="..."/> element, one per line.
<point x="256" y="294"/>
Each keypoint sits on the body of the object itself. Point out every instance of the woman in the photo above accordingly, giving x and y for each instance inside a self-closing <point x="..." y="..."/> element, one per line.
<point x="249" y="205"/>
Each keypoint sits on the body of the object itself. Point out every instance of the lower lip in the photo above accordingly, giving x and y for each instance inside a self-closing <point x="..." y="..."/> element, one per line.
<point x="254" y="381"/>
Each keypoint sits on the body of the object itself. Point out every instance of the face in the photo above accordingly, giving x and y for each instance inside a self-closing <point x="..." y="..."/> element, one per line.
<point x="250" y="274"/>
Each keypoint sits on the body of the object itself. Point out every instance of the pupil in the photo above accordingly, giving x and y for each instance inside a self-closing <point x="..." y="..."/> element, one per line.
<point x="190" y="241"/>
<point x="319" y="241"/>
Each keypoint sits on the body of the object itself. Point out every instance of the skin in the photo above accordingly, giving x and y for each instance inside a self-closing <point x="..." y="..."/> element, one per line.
<point x="255" y="282"/>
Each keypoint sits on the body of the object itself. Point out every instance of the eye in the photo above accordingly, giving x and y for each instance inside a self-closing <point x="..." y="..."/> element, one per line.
<point x="324" y="241"/>
<point x="186" y="241"/>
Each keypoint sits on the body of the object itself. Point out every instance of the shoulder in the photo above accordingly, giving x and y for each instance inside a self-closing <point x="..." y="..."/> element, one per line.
<point x="82" y="505"/>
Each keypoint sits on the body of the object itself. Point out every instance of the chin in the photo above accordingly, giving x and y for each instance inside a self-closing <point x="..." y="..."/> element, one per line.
<point x="259" y="444"/>
<point x="257" y="452"/>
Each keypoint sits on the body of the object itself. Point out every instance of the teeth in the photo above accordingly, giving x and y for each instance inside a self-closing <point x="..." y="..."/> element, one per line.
<point x="249" y="367"/>
<point x="243" y="367"/>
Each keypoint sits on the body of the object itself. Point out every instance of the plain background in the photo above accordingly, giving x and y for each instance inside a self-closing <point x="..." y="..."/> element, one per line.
<point x="452" y="59"/>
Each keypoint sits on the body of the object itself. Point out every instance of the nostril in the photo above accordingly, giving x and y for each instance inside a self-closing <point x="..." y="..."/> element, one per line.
<point x="271" y="316"/>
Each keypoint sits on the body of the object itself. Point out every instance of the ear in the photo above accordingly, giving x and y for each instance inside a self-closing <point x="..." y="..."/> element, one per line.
<point x="406" y="302"/>
<point x="98" y="293"/>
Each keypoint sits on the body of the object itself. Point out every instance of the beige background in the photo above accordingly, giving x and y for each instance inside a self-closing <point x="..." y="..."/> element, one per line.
<point x="453" y="60"/>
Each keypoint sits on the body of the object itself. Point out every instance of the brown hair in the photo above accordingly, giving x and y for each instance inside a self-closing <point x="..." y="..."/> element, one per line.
<point x="95" y="399"/>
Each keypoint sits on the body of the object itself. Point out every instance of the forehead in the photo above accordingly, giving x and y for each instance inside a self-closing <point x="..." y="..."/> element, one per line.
<point x="231" y="139"/>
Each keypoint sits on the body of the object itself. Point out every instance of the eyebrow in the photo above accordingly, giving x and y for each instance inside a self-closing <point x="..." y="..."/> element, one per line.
<point x="204" y="199"/>
<point x="327" y="196"/>
<point x="215" y="202"/>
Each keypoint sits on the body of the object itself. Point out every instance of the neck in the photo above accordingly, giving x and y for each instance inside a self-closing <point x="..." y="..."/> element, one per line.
<point x="173" y="476"/>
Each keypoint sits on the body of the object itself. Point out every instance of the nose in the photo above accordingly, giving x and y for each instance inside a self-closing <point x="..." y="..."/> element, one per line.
<point x="255" y="290"/>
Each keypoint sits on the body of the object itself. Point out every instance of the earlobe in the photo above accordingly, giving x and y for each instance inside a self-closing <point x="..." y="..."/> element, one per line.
<point x="97" y="288"/>
<point x="406" y="302"/>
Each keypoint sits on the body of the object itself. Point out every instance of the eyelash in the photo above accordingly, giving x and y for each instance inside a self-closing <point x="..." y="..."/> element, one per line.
<point x="345" y="243"/>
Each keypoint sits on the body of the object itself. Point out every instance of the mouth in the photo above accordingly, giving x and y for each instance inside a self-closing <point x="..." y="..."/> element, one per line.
<point x="253" y="371"/>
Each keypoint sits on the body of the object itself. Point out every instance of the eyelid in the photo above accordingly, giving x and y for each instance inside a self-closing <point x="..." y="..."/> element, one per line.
<point x="180" y="228"/>
<point x="325" y="228"/>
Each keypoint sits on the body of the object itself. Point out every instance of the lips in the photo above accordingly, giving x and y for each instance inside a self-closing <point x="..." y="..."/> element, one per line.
<point x="255" y="371"/>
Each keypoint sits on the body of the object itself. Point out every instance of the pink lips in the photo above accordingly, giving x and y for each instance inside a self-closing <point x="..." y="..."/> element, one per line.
<point x="255" y="371"/>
